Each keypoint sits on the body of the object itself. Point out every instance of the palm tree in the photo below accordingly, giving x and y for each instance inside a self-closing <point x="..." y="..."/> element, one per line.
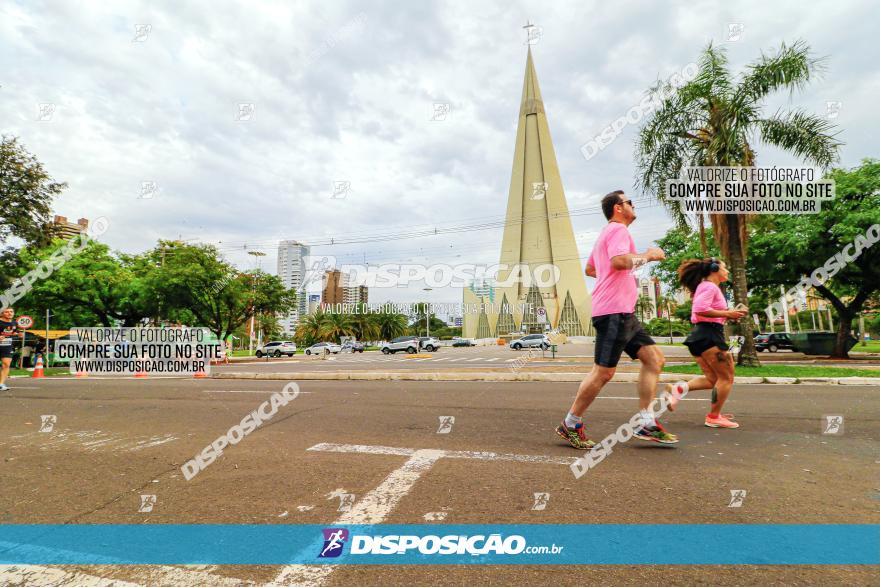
<point x="335" y="326"/>
<point x="308" y="331"/>
<point x="365" y="324"/>
<point x="390" y="324"/>
<point x="714" y="120"/>
<point x="644" y="307"/>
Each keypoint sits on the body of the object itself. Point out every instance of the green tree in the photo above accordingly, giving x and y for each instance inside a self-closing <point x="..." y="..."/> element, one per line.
<point x="26" y="195"/>
<point x="391" y="324"/>
<point x="309" y="328"/>
<point x="334" y="326"/>
<point x="198" y="288"/>
<point x="94" y="286"/>
<point x="644" y="308"/>
<point x="785" y="249"/>
<point x="364" y="324"/>
<point x="713" y="120"/>
<point x="681" y="244"/>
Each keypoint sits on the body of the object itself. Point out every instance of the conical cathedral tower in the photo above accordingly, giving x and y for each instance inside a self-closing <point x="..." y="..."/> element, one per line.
<point x="538" y="237"/>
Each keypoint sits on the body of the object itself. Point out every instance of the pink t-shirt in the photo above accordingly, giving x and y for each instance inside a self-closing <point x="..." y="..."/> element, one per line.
<point x="708" y="297"/>
<point x="616" y="291"/>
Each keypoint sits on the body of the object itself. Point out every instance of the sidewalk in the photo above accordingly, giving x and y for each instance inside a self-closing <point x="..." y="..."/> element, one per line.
<point x="522" y="375"/>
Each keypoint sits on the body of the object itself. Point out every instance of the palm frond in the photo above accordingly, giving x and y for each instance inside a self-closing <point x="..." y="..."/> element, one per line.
<point x="806" y="135"/>
<point x="790" y="67"/>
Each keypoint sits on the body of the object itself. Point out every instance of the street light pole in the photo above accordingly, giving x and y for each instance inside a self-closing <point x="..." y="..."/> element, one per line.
<point x="256" y="255"/>
<point x="427" y="314"/>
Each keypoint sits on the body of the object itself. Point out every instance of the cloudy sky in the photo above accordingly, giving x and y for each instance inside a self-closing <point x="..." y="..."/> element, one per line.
<point x="110" y="95"/>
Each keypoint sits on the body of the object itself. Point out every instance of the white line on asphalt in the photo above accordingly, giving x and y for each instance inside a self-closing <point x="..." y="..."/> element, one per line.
<point x="492" y="359"/>
<point x="684" y="399"/>
<point x="375" y="506"/>
<point x="269" y="391"/>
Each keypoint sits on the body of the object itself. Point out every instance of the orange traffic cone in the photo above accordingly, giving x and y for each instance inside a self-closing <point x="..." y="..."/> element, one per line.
<point x="200" y="374"/>
<point x="141" y="374"/>
<point x="38" y="368"/>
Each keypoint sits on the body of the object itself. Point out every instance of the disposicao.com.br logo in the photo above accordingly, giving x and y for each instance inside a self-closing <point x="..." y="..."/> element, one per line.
<point x="476" y="545"/>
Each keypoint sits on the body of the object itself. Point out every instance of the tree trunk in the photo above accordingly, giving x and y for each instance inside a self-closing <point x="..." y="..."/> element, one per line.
<point x="704" y="249"/>
<point x="843" y="335"/>
<point x="748" y="355"/>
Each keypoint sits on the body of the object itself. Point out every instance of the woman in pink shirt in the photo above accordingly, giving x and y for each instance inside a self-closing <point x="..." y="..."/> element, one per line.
<point x="706" y="341"/>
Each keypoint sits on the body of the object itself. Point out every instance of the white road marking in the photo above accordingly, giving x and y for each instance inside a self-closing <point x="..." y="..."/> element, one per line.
<point x="189" y="576"/>
<point x="266" y="391"/>
<point x="375" y="506"/>
<point x="684" y="399"/>
<point x="492" y="359"/>
<point x="36" y="576"/>
<point x="91" y="440"/>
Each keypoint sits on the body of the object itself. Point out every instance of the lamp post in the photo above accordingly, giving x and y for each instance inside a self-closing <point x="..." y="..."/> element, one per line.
<point x="256" y="255"/>
<point x="427" y="314"/>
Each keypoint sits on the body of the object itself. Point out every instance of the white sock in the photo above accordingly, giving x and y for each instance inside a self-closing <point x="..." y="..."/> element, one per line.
<point x="680" y="389"/>
<point x="647" y="417"/>
<point x="571" y="420"/>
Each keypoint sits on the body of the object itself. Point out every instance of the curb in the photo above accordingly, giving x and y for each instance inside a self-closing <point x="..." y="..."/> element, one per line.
<point x="547" y="377"/>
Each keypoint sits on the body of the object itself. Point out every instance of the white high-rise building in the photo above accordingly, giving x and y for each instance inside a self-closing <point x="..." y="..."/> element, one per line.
<point x="292" y="256"/>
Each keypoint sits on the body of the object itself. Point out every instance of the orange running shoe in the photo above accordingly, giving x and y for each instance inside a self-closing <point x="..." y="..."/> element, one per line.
<point x="720" y="421"/>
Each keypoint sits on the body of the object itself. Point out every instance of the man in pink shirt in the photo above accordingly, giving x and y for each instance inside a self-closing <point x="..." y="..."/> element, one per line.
<point x="617" y="328"/>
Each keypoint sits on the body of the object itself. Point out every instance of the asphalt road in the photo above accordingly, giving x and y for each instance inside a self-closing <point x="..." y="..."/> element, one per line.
<point x="490" y="357"/>
<point x="114" y="440"/>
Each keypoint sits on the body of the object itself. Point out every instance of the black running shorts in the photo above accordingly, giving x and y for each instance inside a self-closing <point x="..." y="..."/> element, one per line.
<point x="6" y="351"/>
<point x="616" y="333"/>
<point x="704" y="336"/>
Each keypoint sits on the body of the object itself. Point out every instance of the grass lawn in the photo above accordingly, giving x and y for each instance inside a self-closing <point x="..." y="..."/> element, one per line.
<point x="784" y="371"/>
<point x="872" y="346"/>
<point x="49" y="371"/>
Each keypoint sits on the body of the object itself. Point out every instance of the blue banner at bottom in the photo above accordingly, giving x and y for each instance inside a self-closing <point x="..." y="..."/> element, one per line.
<point x="423" y="544"/>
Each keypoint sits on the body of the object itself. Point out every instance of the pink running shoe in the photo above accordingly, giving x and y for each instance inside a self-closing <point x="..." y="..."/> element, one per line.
<point x="720" y="421"/>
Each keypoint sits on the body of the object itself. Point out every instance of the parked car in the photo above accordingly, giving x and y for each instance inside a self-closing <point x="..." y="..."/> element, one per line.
<point x="276" y="348"/>
<point x="773" y="342"/>
<point x="463" y="342"/>
<point x="322" y="348"/>
<point x="429" y="343"/>
<point x="352" y="346"/>
<point x="409" y="344"/>
<point x="531" y="340"/>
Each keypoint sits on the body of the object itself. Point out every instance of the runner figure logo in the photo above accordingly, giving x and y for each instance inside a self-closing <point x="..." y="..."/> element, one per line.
<point x="441" y="111"/>
<point x="446" y="423"/>
<point x="47" y="422"/>
<point x="833" y="424"/>
<point x="539" y="189"/>
<point x="737" y="497"/>
<point x="541" y="501"/>
<point x="147" y="503"/>
<point x="334" y="540"/>
<point x="346" y="500"/>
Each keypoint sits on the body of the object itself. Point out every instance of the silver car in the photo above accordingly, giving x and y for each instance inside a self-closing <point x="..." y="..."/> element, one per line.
<point x="323" y="348"/>
<point x="410" y="344"/>
<point x="532" y="340"/>
<point x="276" y="348"/>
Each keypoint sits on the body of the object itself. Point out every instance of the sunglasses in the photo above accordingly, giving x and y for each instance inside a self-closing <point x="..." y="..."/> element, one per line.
<point x="630" y="202"/>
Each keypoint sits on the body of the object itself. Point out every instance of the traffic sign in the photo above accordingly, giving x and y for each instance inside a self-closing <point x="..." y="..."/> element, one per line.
<point x="25" y="321"/>
<point x="542" y="315"/>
